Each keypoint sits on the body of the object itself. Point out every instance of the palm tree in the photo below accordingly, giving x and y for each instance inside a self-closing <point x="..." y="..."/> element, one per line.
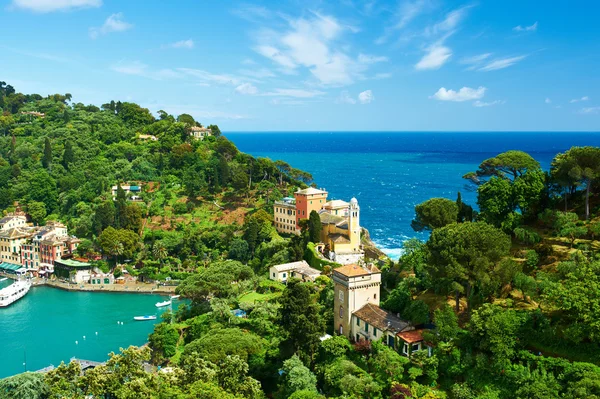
<point x="116" y="249"/>
<point x="159" y="251"/>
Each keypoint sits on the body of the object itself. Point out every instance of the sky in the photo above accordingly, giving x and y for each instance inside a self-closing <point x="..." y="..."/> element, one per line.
<point x="346" y="65"/>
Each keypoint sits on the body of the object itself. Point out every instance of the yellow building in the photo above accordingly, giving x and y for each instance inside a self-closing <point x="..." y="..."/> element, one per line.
<point x="284" y="216"/>
<point x="10" y="243"/>
<point x="341" y="230"/>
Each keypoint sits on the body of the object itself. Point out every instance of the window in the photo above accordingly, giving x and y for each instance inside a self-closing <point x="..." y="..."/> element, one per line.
<point x="273" y="275"/>
<point x="366" y="327"/>
<point x="357" y="337"/>
<point x="374" y="332"/>
<point x="405" y="349"/>
<point x="284" y="275"/>
<point x="341" y="330"/>
<point x="341" y="311"/>
<point x="358" y="321"/>
<point x="374" y="296"/>
<point x="341" y="295"/>
<point x="415" y="347"/>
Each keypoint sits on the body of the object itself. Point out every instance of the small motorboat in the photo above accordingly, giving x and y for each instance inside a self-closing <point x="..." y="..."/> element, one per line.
<point x="4" y="279"/>
<point x="163" y="304"/>
<point x="142" y="318"/>
<point x="173" y="297"/>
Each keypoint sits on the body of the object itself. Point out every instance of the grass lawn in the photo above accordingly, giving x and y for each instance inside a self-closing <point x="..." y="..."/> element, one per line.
<point x="253" y="297"/>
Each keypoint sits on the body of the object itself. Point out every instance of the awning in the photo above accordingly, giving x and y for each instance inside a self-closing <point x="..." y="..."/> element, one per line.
<point x="9" y="267"/>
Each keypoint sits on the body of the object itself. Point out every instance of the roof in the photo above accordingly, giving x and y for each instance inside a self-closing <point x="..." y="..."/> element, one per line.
<point x="10" y="267"/>
<point x="336" y="204"/>
<point x="72" y="263"/>
<point x="7" y="219"/>
<point x="354" y="270"/>
<point x="310" y="191"/>
<point x="285" y="204"/>
<point x="411" y="336"/>
<point x="339" y="238"/>
<point x="383" y="320"/>
<point x="16" y="232"/>
<point x="199" y="129"/>
<point x="308" y="271"/>
<point x="328" y="218"/>
<point x="289" y="266"/>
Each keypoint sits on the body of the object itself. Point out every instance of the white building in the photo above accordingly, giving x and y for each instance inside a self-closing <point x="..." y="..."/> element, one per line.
<point x="300" y="270"/>
<point x="200" y="133"/>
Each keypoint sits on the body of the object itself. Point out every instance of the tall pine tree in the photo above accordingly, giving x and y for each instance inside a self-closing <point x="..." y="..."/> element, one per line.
<point x="67" y="155"/>
<point x="47" y="159"/>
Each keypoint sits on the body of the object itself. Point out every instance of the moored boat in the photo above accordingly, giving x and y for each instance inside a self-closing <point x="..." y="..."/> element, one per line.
<point x="142" y="318"/>
<point x="163" y="304"/>
<point x="14" y="292"/>
<point x="173" y="297"/>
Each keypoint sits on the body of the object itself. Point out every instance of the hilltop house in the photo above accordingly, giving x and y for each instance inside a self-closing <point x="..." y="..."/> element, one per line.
<point x="131" y="191"/>
<point x="301" y="270"/>
<point x="340" y="221"/>
<point x="10" y="221"/>
<point x="200" y="133"/>
<point x="358" y="316"/>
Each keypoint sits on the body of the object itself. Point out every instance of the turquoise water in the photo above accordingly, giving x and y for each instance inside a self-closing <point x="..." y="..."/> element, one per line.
<point x="389" y="173"/>
<point x="43" y="327"/>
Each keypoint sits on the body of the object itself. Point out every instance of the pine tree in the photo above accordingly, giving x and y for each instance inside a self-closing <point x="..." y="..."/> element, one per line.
<point x="47" y="159"/>
<point x="314" y="227"/>
<point x="67" y="155"/>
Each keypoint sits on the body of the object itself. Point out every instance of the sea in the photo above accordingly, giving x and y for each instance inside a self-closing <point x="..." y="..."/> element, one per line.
<point x="50" y="325"/>
<point x="391" y="172"/>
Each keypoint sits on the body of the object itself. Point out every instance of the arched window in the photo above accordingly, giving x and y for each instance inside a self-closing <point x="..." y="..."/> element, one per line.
<point x="341" y="330"/>
<point x="341" y="311"/>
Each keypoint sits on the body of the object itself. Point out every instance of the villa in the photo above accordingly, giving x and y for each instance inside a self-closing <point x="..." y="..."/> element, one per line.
<point x="301" y="270"/>
<point x="358" y="316"/>
<point x="131" y="191"/>
<point x="200" y="133"/>
<point x="10" y="221"/>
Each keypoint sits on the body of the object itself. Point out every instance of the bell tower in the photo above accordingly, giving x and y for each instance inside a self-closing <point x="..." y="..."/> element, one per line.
<point x="354" y="225"/>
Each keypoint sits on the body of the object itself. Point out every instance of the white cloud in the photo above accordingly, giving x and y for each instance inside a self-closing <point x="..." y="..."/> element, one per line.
<point x="590" y="110"/>
<point x="43" y="6"/>
<point x="475" y="61"/>
<point x="246" y="88"/>
<point x="502" y="63"/>
<point x="453" y="18"/>
<point x="530" y="28"/>
<point x="345" y="98"/>
<point x="366" y="97"/>
<point x="312" y="43"/>
<point x="296" y="93"/>
<point x="576" y="100"/>
<point x="480" y="104"/>
<point x="371" y="59"/>
<point x="406" y="13"/>
<point x="547" y="101"/>
<point x="464" y="94"/>
<point x="187" y="44"/>
<point x="257" y="73"/>
<point x="114" y="23"/>
<point x="436" y="57"/>
<point x="207" y="77"/>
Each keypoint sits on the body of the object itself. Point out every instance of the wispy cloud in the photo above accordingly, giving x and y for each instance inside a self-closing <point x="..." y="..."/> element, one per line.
<point x="296" y="93"/>
<point x="345" y="98"/>
<point x="246" y="88"/>
<point x="138" y="68"/>
<point x="464" y="94"/>
<point x="590" y="111"/>
<point x="366" y="97"/>
<point x="576" y="100"/>
<point x="45" y="6"/>
<point x="114" y="23"/>
<point x="206" y="77"/>
<point x="548" y="101"/>
<point x="260" y="73"/>
<point x="436" y="56"/>
<point x="530" y="28"/>
<point x="371" y="59"/>
<point x="501" y="63"/>
<point x="183" y="44"/>
<point x="406" y="12"/>
<point x="475" y="61"/>
<point x="480" y="104"/>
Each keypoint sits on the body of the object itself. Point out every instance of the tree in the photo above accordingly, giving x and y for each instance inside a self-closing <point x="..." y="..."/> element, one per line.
<point x="163" y="342"/>
<point x="464" y="255"/>
<point x="37" y="212"/>
<point x="24" y="386"/>
<point x="68" y="155"/>
<point x="47" y="159"/>
<point x="495" y="200"/>
<point x="507" y="165"/>
<point x="434" y="213"/>
<point x="465" y="212"/>
<point x="567" y="224"/>
<point x="297" y="377"/>
<point x="314" y="227"/>
<point x="239" y="250"/>
<point x="187" y="119"/>
<point x="299" y="317"/>
<point x="446" y="324"/>
<point x="216" y="132"/>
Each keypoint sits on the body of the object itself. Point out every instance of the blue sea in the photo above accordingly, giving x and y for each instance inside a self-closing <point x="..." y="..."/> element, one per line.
<point x="389" y="173"/>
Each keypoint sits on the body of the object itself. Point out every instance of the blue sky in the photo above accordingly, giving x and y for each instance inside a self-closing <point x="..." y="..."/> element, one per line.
<point x="316" y="65"/>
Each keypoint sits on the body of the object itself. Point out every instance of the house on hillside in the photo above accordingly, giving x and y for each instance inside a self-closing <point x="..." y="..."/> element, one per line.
<point x="357" y="314"/>
<point x="300" y="270"/>
<point x="11" y="221"/>
<point x="132" y="191"/>
<point x="200" y="133"/>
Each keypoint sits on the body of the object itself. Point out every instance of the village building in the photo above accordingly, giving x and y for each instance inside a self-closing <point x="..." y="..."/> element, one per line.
<point x="72" y="270"/>
<point x="10" y="243"/>
<point x="11" y="221"/>
<point x="145" y="137"/>
<point x="200" y="133"/>
<point x="300" y="270"/>
<point x="357" y="314"/>
<point x="340" y="221"/>
<point x="132" y="191"/>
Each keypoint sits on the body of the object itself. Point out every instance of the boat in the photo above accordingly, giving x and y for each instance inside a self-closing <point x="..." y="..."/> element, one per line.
<point x="14" y="292"/>
<point x="142" y="318"/>
<point x="173" y="297"/>
<point x="163" y="304"/>
<point x="3" y="279"/>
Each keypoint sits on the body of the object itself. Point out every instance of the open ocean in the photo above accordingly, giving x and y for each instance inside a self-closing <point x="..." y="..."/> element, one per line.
<point x="389" y="173"/>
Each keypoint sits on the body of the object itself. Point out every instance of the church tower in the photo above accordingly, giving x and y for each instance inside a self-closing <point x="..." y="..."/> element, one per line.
<point x="354" y="287"/>
<point x="354" y="225"/>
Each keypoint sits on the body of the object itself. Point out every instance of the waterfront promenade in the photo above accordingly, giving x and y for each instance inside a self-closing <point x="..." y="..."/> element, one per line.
<point x="131" y="287"/>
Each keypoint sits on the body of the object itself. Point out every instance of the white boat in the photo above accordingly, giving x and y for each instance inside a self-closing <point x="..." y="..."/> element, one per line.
<point x="3" y="279"/>
<point x="163" y="304"/>
<point x="142" y="318"/>
<point x="173" y="297"/>
<point x="14" y="292"/>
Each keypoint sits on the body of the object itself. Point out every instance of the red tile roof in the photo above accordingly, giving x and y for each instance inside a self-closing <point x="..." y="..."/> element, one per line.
<point x="411" y="336"/>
